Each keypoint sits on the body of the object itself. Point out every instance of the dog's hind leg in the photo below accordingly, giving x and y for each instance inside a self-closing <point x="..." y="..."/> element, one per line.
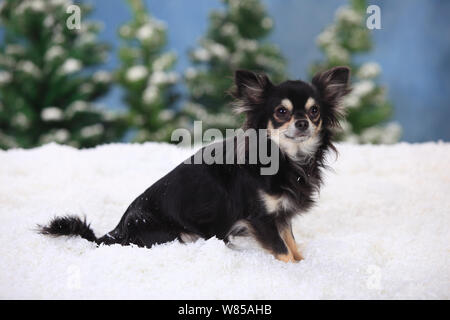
<point x="142" y="235"/>
<point x="110" y="238"/>
<point x="154" y="235"/>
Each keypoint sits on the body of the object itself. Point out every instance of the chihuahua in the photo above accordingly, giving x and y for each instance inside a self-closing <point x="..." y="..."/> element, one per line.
<point x="231" y="200"/>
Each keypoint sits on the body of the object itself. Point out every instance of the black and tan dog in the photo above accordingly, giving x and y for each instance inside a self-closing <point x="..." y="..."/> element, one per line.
<point x="229" y="200"/>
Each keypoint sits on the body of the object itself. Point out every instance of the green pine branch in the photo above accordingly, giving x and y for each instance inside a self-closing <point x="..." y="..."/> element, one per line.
<point x="47" y="88"/>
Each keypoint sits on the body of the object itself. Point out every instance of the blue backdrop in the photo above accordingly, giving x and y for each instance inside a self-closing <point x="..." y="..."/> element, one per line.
<point x="413" y="49"/>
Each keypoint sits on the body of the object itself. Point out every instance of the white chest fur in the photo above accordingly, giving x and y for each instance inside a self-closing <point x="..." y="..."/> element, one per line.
<point x="275" y="204"/>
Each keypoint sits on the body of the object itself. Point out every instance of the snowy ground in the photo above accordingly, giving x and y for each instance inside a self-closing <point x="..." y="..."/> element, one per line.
<point x="380" y="230"/>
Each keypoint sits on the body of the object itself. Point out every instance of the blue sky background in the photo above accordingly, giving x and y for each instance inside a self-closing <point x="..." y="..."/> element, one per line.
<point x="413" y="49"/>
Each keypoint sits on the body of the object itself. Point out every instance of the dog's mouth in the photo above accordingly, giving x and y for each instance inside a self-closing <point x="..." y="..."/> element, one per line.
<point x="298" y="138"/>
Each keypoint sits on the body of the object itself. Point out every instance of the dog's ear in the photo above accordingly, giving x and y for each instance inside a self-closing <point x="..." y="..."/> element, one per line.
<point x="250" y="89"/>
<point x="333" y="85"/>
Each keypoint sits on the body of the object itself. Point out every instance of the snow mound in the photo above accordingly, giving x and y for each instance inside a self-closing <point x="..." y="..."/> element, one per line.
<point x="380" y="230"/>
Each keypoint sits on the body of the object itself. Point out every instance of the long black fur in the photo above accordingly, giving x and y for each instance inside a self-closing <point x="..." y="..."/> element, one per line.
<point x="206" y="200"/>
<point x="68" y="226"/>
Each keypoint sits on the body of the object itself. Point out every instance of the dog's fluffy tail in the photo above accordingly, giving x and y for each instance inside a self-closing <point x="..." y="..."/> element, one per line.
<point x="69" y="226"/>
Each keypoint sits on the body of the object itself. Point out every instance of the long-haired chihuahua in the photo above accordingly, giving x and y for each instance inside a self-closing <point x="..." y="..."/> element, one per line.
<point x="227" y="200"/>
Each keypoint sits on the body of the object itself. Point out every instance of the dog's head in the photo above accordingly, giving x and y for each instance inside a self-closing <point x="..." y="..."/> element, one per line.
<point x="298" y="116"/>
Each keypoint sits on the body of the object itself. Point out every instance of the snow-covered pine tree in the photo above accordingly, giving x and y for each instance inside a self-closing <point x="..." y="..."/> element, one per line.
<point x="235" y="40"/>
<point x="47" y="85"/>
<point x="146" y="75"/>
<point x="367" y="106"/>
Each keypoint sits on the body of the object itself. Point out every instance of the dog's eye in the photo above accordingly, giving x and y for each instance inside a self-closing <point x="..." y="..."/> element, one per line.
<point x="282" y="110"/>
<point x="282" y="113"/>
<point x="314" y="111"/>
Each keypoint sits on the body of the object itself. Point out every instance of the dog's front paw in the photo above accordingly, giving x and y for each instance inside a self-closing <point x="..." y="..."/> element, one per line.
<point x="285" y="257"/>
<point x="298" y="256"/>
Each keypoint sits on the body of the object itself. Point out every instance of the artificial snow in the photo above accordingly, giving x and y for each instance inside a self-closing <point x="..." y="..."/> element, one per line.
<point x="379" y="231"/>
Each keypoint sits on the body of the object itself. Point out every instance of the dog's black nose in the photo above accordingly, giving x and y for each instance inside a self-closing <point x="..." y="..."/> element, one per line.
<point x="301" y="125"/>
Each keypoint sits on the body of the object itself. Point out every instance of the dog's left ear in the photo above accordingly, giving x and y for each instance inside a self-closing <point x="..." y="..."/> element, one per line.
<point x="333" y="85"/>
<point x="251" y="88"/>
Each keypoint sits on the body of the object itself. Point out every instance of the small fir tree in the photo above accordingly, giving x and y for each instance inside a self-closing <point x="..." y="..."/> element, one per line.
<point x="367" y="106"/>
<point x="146" y="75"/>
<point x="235" y="40"/>
<point x="47" y="82"/>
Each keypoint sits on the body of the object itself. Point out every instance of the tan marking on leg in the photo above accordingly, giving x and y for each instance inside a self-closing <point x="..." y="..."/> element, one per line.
<point x="285" y="257"/>
<point x="288" y="238"/>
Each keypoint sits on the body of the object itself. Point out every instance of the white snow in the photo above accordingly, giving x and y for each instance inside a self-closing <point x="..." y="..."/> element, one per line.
<point x="5" y="77"/>
<point x="369" y="70"/>
<point x="28" y="67"/>
<point x="363" y="88"/>
<point x="349" y="15"/>
<point x="136" y="73"/>
<point x="92" y="130"/>
<point x="150" y="94"/>
<point x="102" y="76"/>
<point x="201" y="54"/>
<point x="164" y="61"/>
<point x="71" y="65"/>
<point x="51" y="114"/>
<point x="145" y="32"/>
<point x="380" y="230"/>
<point x="159" y="77"/>
<point x="53" y="52"/>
